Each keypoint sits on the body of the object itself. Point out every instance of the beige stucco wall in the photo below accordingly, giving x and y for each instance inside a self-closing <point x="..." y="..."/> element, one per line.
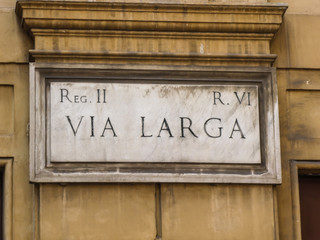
<point x="188" y="211"/>
<point x="14" y="45"/>
<point x="298" y="47"/>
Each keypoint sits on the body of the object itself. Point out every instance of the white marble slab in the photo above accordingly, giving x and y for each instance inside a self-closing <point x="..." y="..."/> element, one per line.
<point x="143" y="122"/>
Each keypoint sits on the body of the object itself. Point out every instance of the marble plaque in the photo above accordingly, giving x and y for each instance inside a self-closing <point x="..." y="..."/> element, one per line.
<point x="156" y="123"/>
<point x="105" y="123"/>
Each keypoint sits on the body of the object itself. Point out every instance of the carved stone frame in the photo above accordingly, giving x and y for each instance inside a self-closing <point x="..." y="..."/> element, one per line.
<point x="268" y="172"/>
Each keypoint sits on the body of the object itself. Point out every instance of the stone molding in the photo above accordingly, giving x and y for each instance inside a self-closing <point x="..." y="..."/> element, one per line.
<point x="206" y="31"/>
<point x="156" y="58"/>
<point x="261" y="18"/>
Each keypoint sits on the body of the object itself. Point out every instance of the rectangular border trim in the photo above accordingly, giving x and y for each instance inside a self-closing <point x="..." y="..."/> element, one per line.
<point x="42" y="170"/>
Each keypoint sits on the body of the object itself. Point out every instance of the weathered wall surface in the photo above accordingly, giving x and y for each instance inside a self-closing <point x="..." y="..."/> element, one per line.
<point x="97" y="211"/>
<point x="188" y="211"/>
<point x="14" y="46"/>
<point x="298" y="48"/>
<point x="155" y="211"/>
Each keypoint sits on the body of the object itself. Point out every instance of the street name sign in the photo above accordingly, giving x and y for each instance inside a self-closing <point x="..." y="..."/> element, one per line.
<point x="92" y="124"/>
